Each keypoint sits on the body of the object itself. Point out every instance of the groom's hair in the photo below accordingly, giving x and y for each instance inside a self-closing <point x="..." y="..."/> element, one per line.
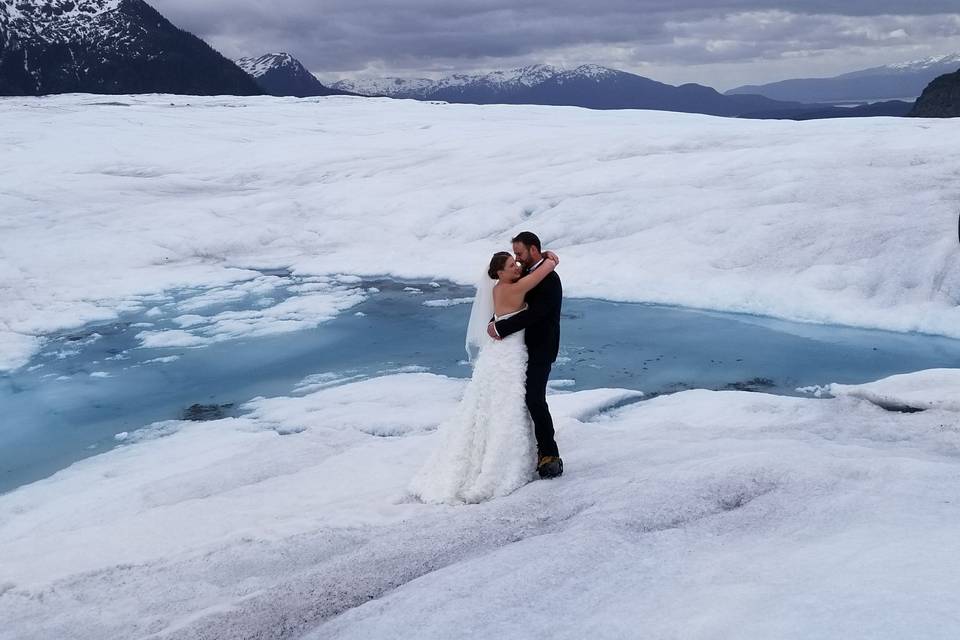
<point x="528" y="239"/>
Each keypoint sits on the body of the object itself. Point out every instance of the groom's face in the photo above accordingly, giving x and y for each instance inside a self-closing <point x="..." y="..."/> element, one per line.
<point x="522" y="252"/>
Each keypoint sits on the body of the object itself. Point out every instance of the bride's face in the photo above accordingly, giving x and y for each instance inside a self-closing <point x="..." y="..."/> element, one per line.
<point x="511" y="271"/>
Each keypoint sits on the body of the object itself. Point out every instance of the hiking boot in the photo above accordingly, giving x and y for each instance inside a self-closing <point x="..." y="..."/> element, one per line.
<point x="550" y="467"/>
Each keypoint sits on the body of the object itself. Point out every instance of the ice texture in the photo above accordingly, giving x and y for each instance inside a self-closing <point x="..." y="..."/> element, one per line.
<point x="930" y="389"/>
<point x="847" y="221"/>
<point x="700" y="514"/>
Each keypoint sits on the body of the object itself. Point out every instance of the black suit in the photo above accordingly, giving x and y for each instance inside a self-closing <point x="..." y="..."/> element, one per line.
<point x="542" y="322"/>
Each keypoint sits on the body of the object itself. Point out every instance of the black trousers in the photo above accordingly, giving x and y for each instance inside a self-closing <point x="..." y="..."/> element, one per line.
<point x="537" y="375"/>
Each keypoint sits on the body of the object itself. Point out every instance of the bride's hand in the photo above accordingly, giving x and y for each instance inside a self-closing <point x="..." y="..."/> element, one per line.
<point x="550" y="255"/>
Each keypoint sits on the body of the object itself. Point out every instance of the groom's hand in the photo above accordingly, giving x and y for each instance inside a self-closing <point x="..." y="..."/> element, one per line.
<point x="492" y="331"/>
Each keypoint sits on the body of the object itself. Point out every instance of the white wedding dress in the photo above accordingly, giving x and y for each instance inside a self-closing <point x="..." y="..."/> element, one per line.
<point x="487" y="448"/>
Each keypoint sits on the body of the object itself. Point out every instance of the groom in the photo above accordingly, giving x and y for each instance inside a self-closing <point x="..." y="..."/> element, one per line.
<point x="542" y="322"/>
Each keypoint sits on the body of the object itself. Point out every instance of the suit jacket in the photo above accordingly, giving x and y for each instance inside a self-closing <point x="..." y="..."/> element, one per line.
<point x="541" y="320"/>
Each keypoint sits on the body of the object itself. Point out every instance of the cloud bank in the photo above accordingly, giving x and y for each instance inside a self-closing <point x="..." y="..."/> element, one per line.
<point x="716" y="41"/>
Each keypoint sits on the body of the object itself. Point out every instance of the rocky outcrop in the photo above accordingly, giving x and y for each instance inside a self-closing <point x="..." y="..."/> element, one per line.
<point x="941" y="98"/>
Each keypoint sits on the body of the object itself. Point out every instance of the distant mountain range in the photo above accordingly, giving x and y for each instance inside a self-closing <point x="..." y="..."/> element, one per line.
<point x="125" y="46"/>
<point x="941" y="98"/>
<point x="106" y="46"/>
<point x="590" y="86"/>
<point x="902" y="80"/>
<point x="280" y="74"/>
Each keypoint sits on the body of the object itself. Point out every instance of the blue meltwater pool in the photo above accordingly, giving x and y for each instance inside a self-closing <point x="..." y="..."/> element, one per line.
<point x="88" y="385"/>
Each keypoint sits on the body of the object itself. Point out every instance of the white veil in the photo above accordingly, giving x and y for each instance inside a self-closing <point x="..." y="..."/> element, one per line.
<point x="480" y="316"/>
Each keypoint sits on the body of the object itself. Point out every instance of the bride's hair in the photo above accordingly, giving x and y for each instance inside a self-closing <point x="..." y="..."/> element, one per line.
<point x="497" y="263"/>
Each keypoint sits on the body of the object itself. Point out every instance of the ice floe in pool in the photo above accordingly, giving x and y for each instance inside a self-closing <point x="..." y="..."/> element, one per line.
<point x="244" y="310"/>
<point x="447" y="302"/>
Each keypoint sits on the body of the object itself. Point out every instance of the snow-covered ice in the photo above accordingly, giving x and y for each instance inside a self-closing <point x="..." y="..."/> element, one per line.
<point x="447" y="302"/>
<point x="845" y="221"/>
<point x="307" y="308"/>
<point x="695" y="515"/>
<point x="931" y="389"/>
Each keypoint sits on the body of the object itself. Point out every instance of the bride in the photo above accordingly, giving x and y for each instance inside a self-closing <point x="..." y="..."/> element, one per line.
<point x="487" y="449"/>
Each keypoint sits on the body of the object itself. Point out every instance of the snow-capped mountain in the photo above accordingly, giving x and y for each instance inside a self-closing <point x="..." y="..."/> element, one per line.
<point x="590" y="86"/>
<point x="106" y="46"/>
<point x="934" y="62"/>
<point x="900" y="80"/>
<point x="280" y="74"/>
<point x="501" y="82"/>
<point x="416" y="88"/>
<point x="58" y="20"/>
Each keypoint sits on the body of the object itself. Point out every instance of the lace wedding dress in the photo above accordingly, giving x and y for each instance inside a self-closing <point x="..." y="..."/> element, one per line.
<point x="487" y="448"/>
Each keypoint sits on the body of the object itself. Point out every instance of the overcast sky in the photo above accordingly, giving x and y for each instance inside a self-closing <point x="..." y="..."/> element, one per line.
<point x="722" y="43"/>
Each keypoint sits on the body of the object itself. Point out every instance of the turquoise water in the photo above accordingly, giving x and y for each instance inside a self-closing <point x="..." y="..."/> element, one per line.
<point x="55" y="412"/>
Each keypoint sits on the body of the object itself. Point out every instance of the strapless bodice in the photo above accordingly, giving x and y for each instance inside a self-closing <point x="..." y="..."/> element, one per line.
<point x="509" y="315"/>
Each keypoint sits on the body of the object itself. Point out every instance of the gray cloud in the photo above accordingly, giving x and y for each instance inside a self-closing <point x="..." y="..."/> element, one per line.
<point x="758" y="37"/>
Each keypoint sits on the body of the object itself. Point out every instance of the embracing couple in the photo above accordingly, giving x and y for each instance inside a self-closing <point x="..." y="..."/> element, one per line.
<point x="502" y="432"/>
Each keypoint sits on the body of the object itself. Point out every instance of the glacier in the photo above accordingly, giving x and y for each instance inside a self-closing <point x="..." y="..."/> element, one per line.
<point x="700" y="514"/>
<point x="105" y="201"/>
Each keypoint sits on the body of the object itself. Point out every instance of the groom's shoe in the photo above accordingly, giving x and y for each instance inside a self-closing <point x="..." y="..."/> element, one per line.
<point x="550" y="467"/>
